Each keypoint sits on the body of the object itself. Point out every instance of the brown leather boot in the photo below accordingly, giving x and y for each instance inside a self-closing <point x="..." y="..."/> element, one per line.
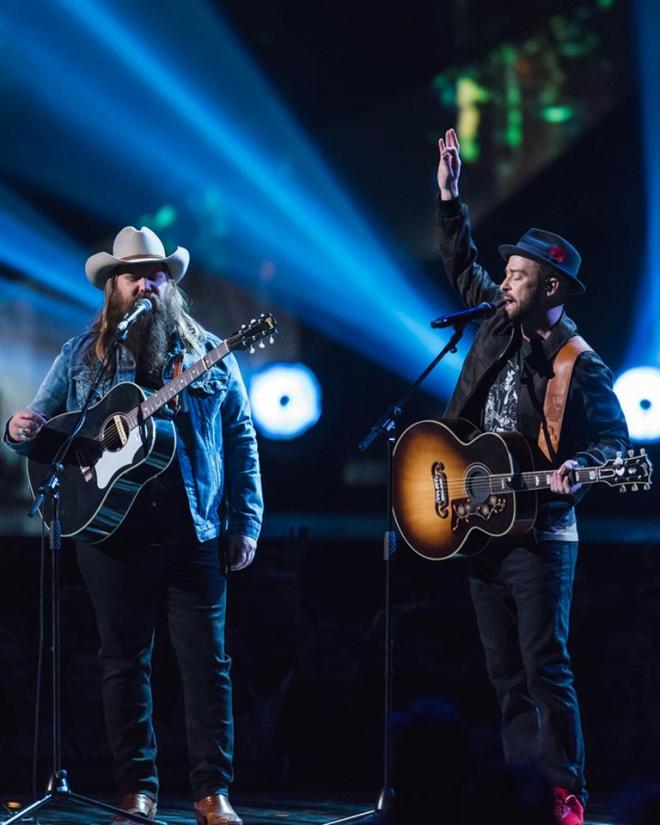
<point x="216" y="810"/>
<point x="136" y="803"/>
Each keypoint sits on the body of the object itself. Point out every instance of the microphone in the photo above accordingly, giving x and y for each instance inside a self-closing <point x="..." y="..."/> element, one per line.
<point x="139" y="308"/>
<point x="483" y="310"/>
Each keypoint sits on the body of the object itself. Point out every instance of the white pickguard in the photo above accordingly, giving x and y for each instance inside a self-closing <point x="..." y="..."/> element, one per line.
<point x="111" y="462"/>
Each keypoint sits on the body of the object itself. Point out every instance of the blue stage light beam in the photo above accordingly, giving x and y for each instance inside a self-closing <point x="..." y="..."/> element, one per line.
<point x="58" y="318"/>
<point x="321" y="220"/>
<point x="645" y="346"/>
<point x="33" y="246"/>
<point x="33" y="327"/>
<point x="220" y="119"/>
<point x="149" y="123"/>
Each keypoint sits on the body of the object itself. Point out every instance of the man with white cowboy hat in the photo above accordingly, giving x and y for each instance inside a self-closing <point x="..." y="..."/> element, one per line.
<point x="188" y="525"/>
<point x="136" y="246"/>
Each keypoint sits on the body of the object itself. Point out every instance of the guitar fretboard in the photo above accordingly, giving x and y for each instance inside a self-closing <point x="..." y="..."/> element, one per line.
<point x="540" y="480"/>
<point x="152" y="404"/>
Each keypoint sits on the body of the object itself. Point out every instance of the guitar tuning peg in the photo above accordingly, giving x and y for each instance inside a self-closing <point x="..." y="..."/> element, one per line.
<point x="647" y="487"/>
<point x="253" y="320"/>
<point x="635" y="488"/>
<point x="271" y="340"/>
<point x="243" y="326"/>
<point x="262" y="345"/>
<point x="631" y="453"/>
<point x="622" y="489"/>
<point x="642" y="451"/>
<point x="619" y="453"/>
<point x="251" y="350"/>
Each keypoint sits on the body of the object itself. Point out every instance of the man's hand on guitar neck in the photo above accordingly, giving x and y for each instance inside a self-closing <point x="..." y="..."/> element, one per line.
<point x="560" y="481"/>
<point x="240" y="551"/>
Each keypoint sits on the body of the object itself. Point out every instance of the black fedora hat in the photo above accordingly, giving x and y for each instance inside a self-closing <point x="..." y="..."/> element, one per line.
<point x="551" y="250"/>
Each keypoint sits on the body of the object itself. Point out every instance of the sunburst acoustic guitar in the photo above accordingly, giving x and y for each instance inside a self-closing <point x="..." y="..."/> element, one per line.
<point x="454" y="488"/>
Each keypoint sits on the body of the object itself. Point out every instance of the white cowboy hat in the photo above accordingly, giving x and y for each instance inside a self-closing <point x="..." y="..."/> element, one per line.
<point x="135" y="246"/>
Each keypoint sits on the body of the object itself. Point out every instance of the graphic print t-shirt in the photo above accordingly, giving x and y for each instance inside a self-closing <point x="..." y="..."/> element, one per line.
<point x="554" y="521"/>
<point x="501" y="410"/>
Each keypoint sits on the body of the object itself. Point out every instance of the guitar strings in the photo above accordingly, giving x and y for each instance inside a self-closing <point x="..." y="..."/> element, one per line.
<point x="483" y="484"/>
<point x="191" y="372"/>
<point x="105" y="439"/>
<point x="486" y="482"/>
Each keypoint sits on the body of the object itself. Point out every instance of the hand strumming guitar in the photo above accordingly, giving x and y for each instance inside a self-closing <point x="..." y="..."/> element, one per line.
<point x="25" y="425"/>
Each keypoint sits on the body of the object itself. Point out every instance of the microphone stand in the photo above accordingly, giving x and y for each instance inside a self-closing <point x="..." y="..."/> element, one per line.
<point x="387" y="426"/>
<point x="58" y="788"/>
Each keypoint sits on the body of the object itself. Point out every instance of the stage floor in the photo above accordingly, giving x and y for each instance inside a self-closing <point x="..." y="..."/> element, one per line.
<point x="269" y="809"/>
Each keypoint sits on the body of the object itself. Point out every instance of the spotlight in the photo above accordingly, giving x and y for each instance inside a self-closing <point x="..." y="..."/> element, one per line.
<point x="638" y="390"/>
<point x="286" y="400"/>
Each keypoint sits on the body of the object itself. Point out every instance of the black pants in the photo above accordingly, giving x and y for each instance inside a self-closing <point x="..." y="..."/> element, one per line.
<point x="522" y="598"/>
<point x="126" y="578"/>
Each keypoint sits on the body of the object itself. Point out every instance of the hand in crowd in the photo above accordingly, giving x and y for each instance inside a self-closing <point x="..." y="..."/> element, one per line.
<point x="449" y="167"/>
<point x="25" y="424"/>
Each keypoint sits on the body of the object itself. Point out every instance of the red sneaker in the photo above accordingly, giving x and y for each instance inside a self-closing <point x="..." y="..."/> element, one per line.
<point x="568" y="808"/>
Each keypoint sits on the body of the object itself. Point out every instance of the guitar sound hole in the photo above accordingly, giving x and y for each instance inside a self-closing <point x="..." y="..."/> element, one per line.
<point x="477" y="484"/>
<point x="113" y="435"/>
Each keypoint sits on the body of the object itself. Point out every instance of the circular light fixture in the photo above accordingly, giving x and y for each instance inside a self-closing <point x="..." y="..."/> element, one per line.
<point x="638" y="391"/>
<point x="286" y="400"/>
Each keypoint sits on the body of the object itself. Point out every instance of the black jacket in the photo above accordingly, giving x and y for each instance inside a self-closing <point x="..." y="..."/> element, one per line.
<point x="593" y="428"/>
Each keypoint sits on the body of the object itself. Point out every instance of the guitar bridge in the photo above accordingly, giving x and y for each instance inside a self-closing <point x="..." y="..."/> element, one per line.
<point x="440" y="487"/>
<point x="465" y="510"/>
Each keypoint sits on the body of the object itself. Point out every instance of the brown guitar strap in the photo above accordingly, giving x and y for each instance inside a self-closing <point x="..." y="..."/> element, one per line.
<point x="556" y="394"/>
<point x="174" y="403"/>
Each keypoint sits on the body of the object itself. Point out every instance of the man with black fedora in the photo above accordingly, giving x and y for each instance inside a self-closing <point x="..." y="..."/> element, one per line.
<point x="188" y="526"/>
<point x="528" y="370"/>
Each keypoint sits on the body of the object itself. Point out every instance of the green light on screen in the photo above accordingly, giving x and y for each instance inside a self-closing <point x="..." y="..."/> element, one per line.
<point x="165" y="217"/>
<point x="557" y="114"/>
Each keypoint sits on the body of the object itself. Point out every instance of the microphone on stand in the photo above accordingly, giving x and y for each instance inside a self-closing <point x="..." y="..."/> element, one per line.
<point x="139" y="308"/>
<point x="478" y="313"/>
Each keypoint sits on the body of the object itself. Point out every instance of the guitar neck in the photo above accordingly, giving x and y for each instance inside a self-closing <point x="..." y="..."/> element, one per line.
<point x="540" y="479"/>
<point x="151" y="405"/>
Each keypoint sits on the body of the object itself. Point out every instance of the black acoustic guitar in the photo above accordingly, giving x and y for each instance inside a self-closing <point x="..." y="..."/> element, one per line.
<point x="456" y="488"/>
<point x="121" y="446"/>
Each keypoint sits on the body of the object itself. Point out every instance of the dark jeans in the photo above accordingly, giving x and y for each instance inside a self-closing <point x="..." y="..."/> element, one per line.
<point x="127" y="579"/>
<point x="522" y="598"/>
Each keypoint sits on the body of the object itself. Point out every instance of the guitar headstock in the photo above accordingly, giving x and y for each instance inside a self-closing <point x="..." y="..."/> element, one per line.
<point x="265" y="326"/>
<point x="631" y="473"/>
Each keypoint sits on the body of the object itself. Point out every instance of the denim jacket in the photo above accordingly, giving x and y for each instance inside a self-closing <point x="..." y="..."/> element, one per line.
<point x="216" y="441"/>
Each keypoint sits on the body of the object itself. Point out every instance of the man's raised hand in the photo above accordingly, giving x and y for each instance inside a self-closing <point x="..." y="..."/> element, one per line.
<point x="449" y="167"/>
